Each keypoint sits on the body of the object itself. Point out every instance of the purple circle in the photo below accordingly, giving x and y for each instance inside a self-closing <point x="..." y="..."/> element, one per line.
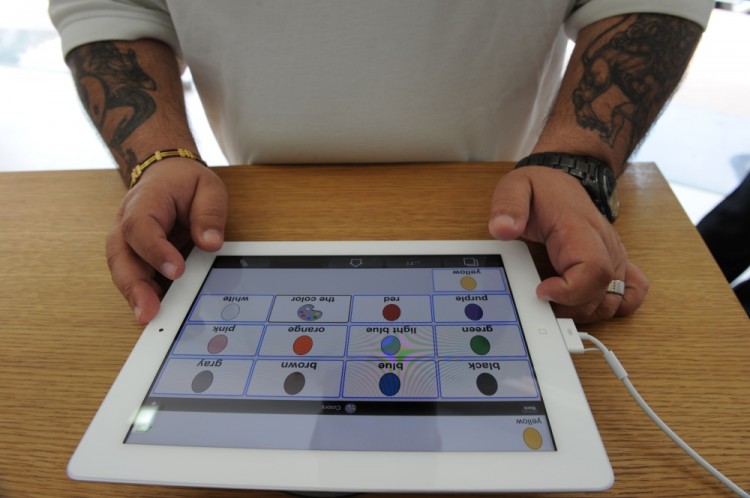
<point x="473" y="312"/>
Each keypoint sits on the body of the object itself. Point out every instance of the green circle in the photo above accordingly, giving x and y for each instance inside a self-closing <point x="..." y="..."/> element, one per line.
<point x="480" y="345"/>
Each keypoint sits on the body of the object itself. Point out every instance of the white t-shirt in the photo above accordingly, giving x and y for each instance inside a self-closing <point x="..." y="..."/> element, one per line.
<point x="290" y="81"/>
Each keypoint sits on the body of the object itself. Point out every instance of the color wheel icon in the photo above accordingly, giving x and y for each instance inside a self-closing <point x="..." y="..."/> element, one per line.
<point x="308" y="313"/>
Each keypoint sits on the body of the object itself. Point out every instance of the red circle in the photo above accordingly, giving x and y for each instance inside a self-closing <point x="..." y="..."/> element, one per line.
<point x="302" y="345"/>
<point x="391" y="312"/>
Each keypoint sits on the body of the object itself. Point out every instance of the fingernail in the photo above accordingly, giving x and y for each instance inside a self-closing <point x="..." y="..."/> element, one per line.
<point x="137" y="311"/>
<point x="504" y="219"/>
<point x="503" y="227"/>
<point x="544" y="298"/>
<point x="168" y="270"/>
<point x="212" y="236"/>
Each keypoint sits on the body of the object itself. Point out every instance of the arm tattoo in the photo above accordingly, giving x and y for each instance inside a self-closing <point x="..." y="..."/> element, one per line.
<point x="630" y="70"/>
<point x="114" y="89"/>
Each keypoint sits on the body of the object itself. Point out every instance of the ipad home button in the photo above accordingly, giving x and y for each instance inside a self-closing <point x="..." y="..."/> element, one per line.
<point x="542" y="331"/>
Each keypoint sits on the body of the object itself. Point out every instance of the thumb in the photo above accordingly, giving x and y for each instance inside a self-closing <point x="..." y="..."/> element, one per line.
<point x="509" y="211"/>
<point x="208" y="213"/>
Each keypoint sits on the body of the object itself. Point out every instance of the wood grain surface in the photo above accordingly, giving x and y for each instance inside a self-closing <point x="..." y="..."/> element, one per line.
<point x="66" y="331"/>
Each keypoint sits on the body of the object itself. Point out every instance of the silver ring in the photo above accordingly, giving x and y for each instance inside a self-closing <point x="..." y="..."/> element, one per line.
<point x="616" y="287"/>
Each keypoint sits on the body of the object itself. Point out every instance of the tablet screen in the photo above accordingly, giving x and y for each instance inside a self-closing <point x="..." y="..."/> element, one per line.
<point x="400" y="353"/>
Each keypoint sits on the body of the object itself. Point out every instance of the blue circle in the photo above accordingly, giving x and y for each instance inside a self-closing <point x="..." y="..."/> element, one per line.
<point x="473" y="312"/>
<point x="390" y="384"/>
<point x="390" y="345"/>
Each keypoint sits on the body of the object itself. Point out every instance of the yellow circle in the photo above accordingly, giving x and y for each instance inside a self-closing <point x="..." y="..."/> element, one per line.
<point x="532" y="438"/>
<point x="468" y="283"/>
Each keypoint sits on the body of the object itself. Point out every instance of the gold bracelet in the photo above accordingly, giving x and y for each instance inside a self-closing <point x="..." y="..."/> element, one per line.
<point x="158" y="156"/>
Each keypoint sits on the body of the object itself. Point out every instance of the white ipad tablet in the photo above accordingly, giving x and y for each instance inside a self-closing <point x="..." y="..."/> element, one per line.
<point x="350" y="366"/>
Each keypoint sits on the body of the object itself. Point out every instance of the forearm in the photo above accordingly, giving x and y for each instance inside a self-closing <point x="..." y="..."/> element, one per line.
<point x="133" y="93"/>
<point x="621" y="73"/>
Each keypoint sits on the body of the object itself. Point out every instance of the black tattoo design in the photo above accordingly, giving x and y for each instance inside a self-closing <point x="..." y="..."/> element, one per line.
<point x="114" y="89"/>
<point x="630" y="70"/>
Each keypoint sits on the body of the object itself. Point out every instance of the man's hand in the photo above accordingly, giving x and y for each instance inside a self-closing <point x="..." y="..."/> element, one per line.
<point x="176" y="201"/>
<point x="551" y="207"/>
<point x="133" y="93"/>
<point x="620" y="74"/>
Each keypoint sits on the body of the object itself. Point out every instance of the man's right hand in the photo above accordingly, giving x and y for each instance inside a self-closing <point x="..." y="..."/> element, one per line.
<point x="175" y="202"/>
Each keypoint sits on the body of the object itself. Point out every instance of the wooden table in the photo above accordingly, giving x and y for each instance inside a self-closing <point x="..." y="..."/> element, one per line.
<point x="66" y="331"/>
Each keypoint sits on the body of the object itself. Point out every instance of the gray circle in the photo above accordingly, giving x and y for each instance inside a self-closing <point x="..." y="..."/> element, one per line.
<point x="202" y="381"/>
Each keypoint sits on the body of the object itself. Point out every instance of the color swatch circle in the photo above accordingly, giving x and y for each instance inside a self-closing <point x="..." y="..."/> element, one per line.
<point x="480" y="345"/>
<point x="487" y="384"/>
<point x="532" y="438"/>
<point x="390" y="345"/>
<point x="217" y="344"/>
<point x="302" y="345"/>
<point x="390" y="384"/>
<point x="230" y="311"/>
<point x="294" y="383"/>
<point x="473" y="312"/>
<point x="469" y="283"/>
<point x="391" y="312"/>
<point x="202" y="381"/>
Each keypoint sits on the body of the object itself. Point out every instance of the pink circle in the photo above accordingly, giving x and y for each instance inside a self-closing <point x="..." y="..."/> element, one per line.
<point x="217" y="344"/>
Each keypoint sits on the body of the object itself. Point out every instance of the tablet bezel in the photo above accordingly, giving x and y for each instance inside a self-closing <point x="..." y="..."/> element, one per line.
<point x="579" y="463"/>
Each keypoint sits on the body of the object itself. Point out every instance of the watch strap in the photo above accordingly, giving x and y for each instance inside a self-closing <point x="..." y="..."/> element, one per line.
<point x="582" y="167"/>
<point x="588" y="170"/>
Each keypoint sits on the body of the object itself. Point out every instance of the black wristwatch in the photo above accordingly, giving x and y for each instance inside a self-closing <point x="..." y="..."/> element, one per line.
<point x="595" y="176"/>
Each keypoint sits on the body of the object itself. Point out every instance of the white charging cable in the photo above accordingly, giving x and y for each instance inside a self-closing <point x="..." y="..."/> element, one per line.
<point x="621" y="374"/>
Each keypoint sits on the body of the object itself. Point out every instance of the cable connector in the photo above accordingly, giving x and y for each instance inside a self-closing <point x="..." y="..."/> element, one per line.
<point x="609" y="356"/>
<point x="570" y="335"/>
<point x="615" y="365"/>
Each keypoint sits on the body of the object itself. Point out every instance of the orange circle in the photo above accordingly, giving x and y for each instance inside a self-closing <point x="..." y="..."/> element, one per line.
<point x="302" y="345"/>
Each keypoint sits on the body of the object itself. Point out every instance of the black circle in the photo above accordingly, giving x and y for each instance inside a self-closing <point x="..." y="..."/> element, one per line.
<point x="487" y="384"/>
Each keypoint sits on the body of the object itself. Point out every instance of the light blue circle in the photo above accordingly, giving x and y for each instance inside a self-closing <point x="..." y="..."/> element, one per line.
<point x="390" y="345"/>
